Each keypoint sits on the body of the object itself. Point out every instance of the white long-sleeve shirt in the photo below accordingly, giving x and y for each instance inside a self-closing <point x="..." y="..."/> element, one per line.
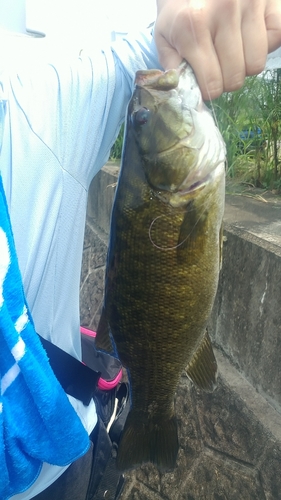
<point x="62" y="117"/>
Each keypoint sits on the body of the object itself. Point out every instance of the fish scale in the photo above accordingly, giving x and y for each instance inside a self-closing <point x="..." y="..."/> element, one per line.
<point x="164" y="257"/>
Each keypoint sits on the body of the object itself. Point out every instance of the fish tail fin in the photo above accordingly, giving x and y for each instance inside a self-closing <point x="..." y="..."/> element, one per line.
<point x="154" y="441"/>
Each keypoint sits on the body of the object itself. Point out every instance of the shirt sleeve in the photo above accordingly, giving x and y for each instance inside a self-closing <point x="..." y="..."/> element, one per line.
<point x="130" y="55"/>
<point x="76" y="105"/>
<point x="112" y="88"/>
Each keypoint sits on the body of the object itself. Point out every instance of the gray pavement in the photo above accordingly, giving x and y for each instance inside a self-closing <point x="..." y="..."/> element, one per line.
<point x="257" y="212"/>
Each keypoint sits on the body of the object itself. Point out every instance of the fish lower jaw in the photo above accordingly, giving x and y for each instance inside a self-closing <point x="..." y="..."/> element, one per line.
<point x="186" y="194"/>
<point x="195" y="186"/>
<point x="192" y="185"/>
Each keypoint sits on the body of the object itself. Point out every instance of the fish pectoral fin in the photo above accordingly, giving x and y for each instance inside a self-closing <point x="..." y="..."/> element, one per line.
<point x="153" y="441"/>
<point x="202" y="369"/>
<point x="103" y="341"/>
<point x="191" y="226"/>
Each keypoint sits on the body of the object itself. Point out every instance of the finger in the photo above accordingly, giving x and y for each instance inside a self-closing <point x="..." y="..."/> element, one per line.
<point x="205" y="64"/>
<point x="229" y="46"/>
<point x="273" y="25"/>
<point x="168" y="56"/>
<point x="203" y="61"/>
<point x="198" y="49"/>
<point x="192" y="42"/>
<point x="255" y="47"/>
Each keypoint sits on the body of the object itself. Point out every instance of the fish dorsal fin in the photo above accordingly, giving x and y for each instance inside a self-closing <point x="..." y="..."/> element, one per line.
<point x="202" y="369"/>
<point x="103" y="340"/>
<point x="221" y="245"/>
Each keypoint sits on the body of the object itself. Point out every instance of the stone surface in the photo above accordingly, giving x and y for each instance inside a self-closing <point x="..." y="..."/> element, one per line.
<point x="100" y="199"/>
<point x="92" y="274"/>
<point x="101" y="194"/>
<point x="230" y="440"/>
<point x="91" y="298"/>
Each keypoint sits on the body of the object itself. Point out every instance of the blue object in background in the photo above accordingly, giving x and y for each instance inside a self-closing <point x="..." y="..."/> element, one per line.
<point x="251" y="139"/>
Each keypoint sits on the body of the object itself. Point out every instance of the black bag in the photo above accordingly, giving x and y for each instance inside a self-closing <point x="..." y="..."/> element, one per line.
<point x="99" y="377"/>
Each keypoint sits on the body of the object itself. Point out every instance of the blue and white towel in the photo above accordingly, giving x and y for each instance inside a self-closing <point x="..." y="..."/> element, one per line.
<point x="37" y="422"/>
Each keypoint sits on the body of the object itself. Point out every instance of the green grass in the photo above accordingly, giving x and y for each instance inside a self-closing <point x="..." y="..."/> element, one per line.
<point x="116" y="150"/>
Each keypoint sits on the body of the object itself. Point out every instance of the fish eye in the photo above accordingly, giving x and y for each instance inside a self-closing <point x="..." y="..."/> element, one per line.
<point x="141" y="117"/>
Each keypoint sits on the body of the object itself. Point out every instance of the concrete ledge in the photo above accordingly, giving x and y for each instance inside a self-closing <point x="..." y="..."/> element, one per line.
<point x="100" y="199"/>
<point x="101" y="194"/>
<point x="246" y="320"/>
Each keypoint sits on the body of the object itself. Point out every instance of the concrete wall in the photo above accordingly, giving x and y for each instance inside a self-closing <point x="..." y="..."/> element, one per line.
<point x="230" y="441"/>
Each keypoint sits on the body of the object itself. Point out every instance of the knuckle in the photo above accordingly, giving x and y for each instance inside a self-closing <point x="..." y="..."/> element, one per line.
<point x="234" y="84"/>
<point x="230" y="6"/>
<point x="213" y="90"/>
<point x="256" y="63"/>
<point x="192" y="18"/>
<point x="255" y="68"/>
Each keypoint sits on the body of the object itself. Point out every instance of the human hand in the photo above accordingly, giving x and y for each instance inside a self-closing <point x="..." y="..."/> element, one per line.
<point x="223" y="40"/>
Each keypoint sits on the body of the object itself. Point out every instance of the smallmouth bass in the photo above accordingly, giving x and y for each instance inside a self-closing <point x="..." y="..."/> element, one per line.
<point x="164" y="257"/>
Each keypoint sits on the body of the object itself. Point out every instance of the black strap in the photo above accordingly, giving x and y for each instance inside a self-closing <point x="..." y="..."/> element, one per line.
<point x="108" y="365"/>
<point x="122" y="412"/>
<point x="77" y="379"/>
<point x="106" y="480"/>
<point x="80" y="381"/>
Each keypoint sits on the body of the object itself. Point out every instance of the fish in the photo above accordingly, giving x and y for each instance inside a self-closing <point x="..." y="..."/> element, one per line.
<point x="164" y="257"/>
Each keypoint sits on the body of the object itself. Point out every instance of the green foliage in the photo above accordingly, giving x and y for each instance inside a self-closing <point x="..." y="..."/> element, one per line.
<point x="116" y="150"/>
<point x="256" y="105"/>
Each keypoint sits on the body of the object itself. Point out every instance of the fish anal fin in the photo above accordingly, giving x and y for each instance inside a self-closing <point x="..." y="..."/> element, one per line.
<point x="153" y="441"/>
<point x="202" y="369"/>
<point x="103" y="341"/>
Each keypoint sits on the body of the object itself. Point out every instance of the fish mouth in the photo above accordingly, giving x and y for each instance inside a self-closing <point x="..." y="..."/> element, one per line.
<point x="190" y="186"/>
<point x="160" y="80"/>
<point x="157" y="80"/>
<point x="197" y="185"/>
